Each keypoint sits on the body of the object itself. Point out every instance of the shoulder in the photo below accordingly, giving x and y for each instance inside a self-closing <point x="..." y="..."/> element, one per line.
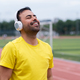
<point x="43" y="43"/>
<point x="11" y="44"/>
<point x="17" y="40"/>
<point x="46" y="47"/>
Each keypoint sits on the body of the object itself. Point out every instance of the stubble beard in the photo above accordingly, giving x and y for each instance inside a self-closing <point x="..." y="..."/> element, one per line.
<point x="31" y="30"/>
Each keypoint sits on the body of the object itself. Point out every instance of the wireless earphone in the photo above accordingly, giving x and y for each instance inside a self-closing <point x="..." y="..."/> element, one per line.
<point x="18" y="24"/>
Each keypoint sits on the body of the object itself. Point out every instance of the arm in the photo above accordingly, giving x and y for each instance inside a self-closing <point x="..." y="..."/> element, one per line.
<point x="49" y="74"/>
<point x="5" y="73"/>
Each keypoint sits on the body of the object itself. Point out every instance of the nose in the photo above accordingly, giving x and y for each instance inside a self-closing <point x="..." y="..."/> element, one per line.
<point x="34" y="17"/>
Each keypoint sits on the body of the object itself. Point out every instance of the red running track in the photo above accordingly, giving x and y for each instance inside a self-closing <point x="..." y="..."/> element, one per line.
<point x="65" y="70"/>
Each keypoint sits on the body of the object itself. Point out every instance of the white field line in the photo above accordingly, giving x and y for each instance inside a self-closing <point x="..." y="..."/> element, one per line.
<point x="58" y="78"/>
<point x="66" y="60"/>
<point x="63" y="53"/>
<point x="78" y="74"/>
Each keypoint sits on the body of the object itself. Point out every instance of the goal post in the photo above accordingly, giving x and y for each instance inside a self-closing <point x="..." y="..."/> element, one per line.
<point x="46" y="33"/>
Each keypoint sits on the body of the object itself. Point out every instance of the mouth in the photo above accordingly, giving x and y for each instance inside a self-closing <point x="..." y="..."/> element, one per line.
<point x="35" y="23"/>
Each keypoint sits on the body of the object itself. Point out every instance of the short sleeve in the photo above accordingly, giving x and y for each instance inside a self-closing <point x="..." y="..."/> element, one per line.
<point x="51" y="62"/>
<point x="8" y="56"/>
<point x="51" y="59"/>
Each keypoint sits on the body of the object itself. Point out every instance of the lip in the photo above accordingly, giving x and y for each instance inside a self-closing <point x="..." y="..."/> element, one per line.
<point x="35" y="22"/>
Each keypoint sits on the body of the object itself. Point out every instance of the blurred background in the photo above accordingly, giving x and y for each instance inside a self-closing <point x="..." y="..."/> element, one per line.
<point x="64" y="16"/>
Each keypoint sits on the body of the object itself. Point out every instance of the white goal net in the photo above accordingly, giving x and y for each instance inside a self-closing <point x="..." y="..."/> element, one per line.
<point x="45" y="32"/>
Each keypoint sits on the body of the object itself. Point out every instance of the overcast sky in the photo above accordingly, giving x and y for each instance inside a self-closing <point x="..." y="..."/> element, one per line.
<point x="44" y="9"/>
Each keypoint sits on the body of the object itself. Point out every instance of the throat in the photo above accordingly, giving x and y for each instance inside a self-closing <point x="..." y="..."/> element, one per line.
<point x="32" y="40"/>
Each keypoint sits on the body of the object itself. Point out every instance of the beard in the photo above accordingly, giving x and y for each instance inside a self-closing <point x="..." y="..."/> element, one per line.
<point x="30" y="29"/>
<point x="35" y="25"/>
<point x="35" y="29"/>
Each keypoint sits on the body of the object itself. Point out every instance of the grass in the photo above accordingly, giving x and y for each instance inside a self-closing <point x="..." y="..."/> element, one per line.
<point x="3" y="42"/>
<point x="62" y="48"/>
<point x="67" y="49"/>
<point x="67" y="56"/>
<point x="69" y="46"/>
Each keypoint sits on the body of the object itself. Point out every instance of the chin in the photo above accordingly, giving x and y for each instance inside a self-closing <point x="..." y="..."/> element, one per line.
<point x="37" y="30"/>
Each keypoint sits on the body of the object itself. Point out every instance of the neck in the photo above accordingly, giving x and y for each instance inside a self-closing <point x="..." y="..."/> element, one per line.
<point x="30" y="39"/>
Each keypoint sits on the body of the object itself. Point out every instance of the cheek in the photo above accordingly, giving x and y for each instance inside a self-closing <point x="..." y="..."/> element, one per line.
<point x="26" y="23"/>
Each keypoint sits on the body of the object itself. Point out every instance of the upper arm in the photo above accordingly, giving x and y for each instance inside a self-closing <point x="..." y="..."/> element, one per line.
<point x="5" y="73"/>
<point x="49" y="74"/>
<point x="8" y="56"/>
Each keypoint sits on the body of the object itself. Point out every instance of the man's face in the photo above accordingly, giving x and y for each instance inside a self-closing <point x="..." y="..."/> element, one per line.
<point x="29" y="21"/>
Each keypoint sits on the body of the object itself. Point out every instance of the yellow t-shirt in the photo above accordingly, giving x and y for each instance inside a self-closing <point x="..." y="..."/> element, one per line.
<point x="28" y="62"/>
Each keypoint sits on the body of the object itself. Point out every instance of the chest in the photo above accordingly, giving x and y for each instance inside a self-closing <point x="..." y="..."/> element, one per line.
<point x="31" y="59"/>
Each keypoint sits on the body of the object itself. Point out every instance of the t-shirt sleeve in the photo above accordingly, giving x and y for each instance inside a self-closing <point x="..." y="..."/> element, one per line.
<point x="51" y="62"/>
<point x="8" y="56"/>
<point x="51" y="65"/>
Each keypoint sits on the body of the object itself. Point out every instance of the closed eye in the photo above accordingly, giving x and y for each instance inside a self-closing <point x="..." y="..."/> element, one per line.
<point x="28" y="16"/>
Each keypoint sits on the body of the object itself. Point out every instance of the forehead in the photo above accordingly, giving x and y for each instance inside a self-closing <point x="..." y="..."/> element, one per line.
<point x="25" y="13"/>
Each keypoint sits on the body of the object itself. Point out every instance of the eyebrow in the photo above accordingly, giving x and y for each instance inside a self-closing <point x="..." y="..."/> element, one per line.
<point x="30" y="15"/>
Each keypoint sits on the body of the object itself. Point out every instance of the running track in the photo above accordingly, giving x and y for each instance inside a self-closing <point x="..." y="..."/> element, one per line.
<point x="65" y="70"/>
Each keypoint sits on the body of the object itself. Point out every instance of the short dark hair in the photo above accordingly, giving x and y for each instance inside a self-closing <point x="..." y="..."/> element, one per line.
<point x="20" y="11"/>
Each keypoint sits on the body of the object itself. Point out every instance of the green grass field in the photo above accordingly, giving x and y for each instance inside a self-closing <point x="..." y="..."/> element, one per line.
<point x="67" y="48"/>
<point x="3" y="42"/>
<point x="62" y="48"/>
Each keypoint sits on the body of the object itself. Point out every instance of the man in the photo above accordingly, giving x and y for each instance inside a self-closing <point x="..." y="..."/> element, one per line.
<point x="27" y="57"/>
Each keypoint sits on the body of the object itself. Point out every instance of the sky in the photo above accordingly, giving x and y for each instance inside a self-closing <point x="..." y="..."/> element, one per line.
<point x="44" y="9"/>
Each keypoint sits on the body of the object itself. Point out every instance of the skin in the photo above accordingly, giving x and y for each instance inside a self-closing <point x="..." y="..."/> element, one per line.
<point x="49" y="74"/>
<point x="5" y="73"/>
<point x="29" y="31"/>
